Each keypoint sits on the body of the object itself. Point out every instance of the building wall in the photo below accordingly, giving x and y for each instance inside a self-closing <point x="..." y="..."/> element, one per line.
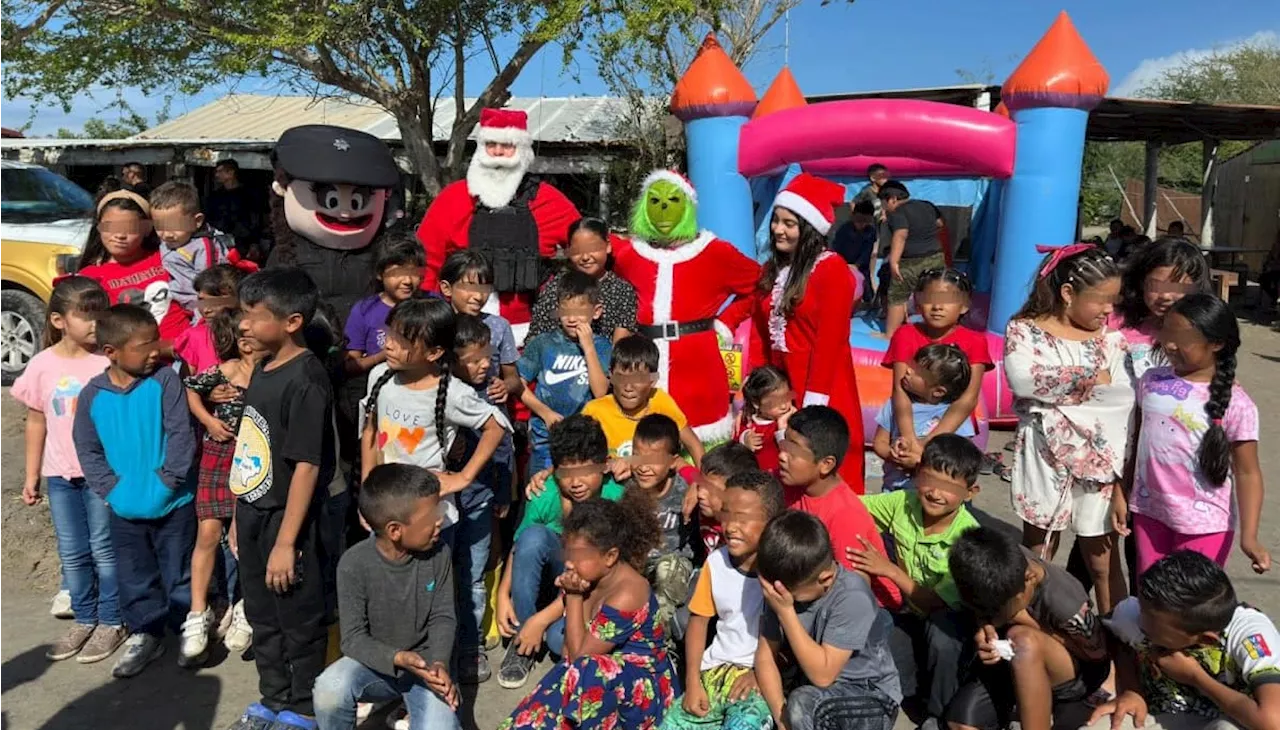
<point x="1246" y="203"/>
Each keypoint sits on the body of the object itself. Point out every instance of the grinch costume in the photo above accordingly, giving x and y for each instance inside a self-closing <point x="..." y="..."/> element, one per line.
<point x="683" y="276"/>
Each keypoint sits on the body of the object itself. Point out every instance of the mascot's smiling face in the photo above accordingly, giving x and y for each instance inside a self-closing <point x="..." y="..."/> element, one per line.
<point x="336" y="216"/>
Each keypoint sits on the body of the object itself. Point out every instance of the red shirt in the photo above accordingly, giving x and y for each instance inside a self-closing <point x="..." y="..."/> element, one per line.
<point x="145" y="283"/>
<point x="909" y="338"/>
<point x="767" y="456"/>
<point x="846" y="520"/>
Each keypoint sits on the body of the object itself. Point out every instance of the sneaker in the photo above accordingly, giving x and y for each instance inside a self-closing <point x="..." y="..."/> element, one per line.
<point x="515" y="668"/>
<point x="71" y="642"/>
<point x="139" y="651"/>
<point x="240" y="634"/>
<point x="223" y="613"/>
<point x="195" y="638"/>
<point x="287" y="720"/>
<point x="103" y="643"/>
<point x="474" y="668"/>
<point x="255" y="717"/>
<point x="61" y="606"/>
<point x="398" y="720"/>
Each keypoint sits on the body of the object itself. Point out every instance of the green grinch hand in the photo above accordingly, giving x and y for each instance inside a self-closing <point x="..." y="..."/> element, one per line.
<point x="666" y="211"/>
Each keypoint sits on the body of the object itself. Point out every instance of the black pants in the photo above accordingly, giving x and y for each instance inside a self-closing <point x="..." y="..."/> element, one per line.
<point x="153" y="569"/>
<point x="290" y="632"/>
<point x="931" y="654"/>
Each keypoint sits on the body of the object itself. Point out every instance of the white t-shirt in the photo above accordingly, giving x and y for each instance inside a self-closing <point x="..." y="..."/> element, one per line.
<point x="736" y="599"/>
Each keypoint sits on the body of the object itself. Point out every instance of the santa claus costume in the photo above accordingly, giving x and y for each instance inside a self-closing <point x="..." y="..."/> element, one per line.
<point x="514" y="219"/>
<point x="681" y="287"/>
<point x="811" y="343"/>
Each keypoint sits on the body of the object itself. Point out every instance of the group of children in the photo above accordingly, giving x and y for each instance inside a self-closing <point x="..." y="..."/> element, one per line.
<point x="185" y="431"/>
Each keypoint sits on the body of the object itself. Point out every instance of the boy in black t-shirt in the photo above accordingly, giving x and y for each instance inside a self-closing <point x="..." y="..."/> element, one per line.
<point x="914" y="247"/>
<point x="284" y="452"/>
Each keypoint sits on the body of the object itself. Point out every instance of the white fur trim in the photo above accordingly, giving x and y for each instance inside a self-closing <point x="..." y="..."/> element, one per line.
<point x="674" y="255"/>
<point x="504" y="135"/>
<point x="815" y="399"/>
<point x="664" y="362"/>
<point x="673" y="178"/>
<point x="804" y="209"/>
<point x="716" y="432"/>
<point x="777" y="320"/>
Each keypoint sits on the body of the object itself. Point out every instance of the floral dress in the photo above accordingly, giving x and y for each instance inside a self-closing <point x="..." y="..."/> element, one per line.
<point x="1072" y="433"/>
<point x="214" y="500"/>
<point x="628" y="689"/>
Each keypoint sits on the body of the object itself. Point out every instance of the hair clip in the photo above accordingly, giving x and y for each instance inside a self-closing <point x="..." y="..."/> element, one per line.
<point x="1060" y="254"/>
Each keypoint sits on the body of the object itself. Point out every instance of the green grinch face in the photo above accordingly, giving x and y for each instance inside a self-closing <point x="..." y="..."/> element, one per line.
<point x="665" y="204"/>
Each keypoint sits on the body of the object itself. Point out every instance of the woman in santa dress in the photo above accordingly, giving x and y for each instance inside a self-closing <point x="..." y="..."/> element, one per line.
<point x="801" y="318"/>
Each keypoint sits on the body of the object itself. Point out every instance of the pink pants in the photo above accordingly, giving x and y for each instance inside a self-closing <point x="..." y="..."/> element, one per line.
<point x="1155" y="540"/>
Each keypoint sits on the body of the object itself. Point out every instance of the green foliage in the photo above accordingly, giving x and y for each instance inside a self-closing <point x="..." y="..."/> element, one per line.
<point x="99" y="129"/>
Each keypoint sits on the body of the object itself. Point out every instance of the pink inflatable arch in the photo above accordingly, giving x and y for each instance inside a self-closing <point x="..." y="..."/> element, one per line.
<point x="944" y="138"/>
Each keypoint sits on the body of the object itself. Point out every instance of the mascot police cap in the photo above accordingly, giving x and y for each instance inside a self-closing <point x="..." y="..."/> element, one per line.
<point x="327" y="154"/>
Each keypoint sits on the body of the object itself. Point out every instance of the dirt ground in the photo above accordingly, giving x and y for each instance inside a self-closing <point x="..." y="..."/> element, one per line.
<point x="39" y="695"/>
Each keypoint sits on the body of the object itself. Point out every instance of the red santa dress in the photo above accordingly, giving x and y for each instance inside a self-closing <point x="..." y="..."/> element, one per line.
<point x="688" y="283"/>
<point x="812" y="347"/>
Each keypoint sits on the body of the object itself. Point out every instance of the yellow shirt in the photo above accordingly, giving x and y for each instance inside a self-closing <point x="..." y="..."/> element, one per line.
<point x="620" y="429"/>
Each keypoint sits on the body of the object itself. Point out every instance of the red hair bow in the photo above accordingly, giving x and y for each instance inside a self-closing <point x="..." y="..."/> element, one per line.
<point x="1060" y="254"/>
<point x="235" y="259"/>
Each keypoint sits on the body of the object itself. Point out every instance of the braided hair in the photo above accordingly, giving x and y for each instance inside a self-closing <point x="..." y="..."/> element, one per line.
<point x="1214" y="319"/>
<point x="1081" y="271"/>
<point x="424" y="323"/>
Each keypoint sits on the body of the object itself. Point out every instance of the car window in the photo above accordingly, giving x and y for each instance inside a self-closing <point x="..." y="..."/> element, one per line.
<point x="32" y="194"/>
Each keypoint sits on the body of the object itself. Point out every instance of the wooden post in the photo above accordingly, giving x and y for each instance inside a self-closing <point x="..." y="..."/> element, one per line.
<point x="1209" y="157"/>
<point x="1150" y="188"/>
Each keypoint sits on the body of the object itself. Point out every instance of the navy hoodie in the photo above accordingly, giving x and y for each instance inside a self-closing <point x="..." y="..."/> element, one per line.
<point x="137" y="445"/>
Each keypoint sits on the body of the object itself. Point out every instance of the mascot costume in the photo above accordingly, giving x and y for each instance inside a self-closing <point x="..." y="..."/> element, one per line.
<point x="513" y="218"/>
<point x="683" y="276"/>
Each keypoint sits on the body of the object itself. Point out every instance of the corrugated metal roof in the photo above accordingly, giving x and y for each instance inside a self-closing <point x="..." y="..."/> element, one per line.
<point x="564" y="120"/>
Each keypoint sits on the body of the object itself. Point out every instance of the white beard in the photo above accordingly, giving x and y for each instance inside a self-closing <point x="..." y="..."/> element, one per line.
<point x="495" y="180"/>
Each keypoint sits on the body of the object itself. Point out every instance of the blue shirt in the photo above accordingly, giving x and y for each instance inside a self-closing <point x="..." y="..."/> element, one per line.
<point x="503" y="342"/>
<point x="926" y="417"/>
<point x="559" y="367"/>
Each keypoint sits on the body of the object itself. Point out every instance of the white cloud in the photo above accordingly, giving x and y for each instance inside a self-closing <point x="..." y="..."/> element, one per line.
<point x="1152" y="69"/>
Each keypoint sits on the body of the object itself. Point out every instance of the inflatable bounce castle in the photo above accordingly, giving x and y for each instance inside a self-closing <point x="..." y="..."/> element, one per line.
<point x="1017" y="168"/>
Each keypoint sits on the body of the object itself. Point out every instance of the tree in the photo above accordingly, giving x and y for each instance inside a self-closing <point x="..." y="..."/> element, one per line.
<point x="99" y="129"/>
<point x="406" y="56"/>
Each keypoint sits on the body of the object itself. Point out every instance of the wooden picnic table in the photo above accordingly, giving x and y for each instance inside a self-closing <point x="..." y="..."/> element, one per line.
<point x="1231" y="252"/>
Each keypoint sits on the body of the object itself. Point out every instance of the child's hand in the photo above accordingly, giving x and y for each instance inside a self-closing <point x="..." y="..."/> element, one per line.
<point x="869" y="560"/>
<point x="777" y="596"/>
<point x="1120" y="512"/>
<point x="280" y="565"/>
<point x="1128" y="703"/>
<point x="1103" y="377"/>
<point x="1259" y="557"/>
<point x="621" y="468"/>
<point x="233" y="541"/>
<point x="785" y="418"/>
<point x="219" y="431"/>
<point x="529" y="639"/>
<point x="696" y="702"/>
<point x="552" y="419"/>
<point x="743" y="686"/>
<point x="451" y="482"/>
<point x="31" y="492"/>
<point x="537" y="484"/>
<point x="985" y="641"/>
<point x="586" y="338"/>
<point x="505" y="616"/>
<point x="223" y="394"/>
<point x="1180" y="667"/>
<point x="438" y="681"/>
<point x="572" y="583"/>
<point x="497" y="390"/>
<point x="752" y="440"/>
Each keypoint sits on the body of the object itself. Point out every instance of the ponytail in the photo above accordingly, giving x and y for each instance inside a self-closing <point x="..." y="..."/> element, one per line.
<point x="1217" y="323"/>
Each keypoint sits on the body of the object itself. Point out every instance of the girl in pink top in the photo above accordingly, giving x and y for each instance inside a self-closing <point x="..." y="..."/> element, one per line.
<point x="50" y="388"/>
<point x="1197" y="439"/>
<point x="215" y="293"/>
<point x="1158" y="276"/>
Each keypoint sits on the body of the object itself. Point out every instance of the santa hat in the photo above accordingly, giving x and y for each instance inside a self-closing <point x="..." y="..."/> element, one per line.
<point x="504" y="126"/>
<point x="674" y="178"/>
<point x="812" y="198"/>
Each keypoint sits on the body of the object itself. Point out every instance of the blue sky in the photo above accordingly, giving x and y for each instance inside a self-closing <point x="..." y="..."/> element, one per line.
<point x="872" y="44"/>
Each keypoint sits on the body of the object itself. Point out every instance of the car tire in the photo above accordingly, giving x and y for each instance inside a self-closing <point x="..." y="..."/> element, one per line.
<point x="22" y="318"/>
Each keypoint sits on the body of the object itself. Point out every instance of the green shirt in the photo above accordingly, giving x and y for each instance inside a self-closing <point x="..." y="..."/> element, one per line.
<point x="545" y="509"/>
<point x="924" y="557"/>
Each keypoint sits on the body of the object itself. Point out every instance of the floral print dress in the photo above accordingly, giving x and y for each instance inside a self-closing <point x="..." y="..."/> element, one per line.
<point x="628" y="689"/>
<point x="1072" y="432"/>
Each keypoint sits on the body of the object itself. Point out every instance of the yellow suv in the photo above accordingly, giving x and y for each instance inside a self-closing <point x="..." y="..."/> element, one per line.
<point x="44" y="221"/>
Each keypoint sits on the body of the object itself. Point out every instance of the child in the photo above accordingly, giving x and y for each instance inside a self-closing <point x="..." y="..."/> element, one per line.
<point x="526" y="613"/>
<point x="215" y="293"/>
<point x="122" y="254"/>
<point x="1194" y="656"/>
<point x="49" y="388"/>
<point x="724" y="692"/>
<point x="823" y="621"/>
<point x="633" y="372"/>
<point x="215" y="504"/>
<point x="284" y="460"/>
<point x="395" y="607"/>
<point x="466" y="282"/>
<point x="588" y="253"/>
<point x="190" y="245"/>
<point x="133" y="435"/>
<point x="567" y="363"/>
<point x="399" y="266"/>
<point x="769" y="401"/>
<point x="1197" y="440"/>
<point x="809" y="464"/>
<point x="1156" y="278"/>
<point x="616" y="672"/>
<point x="1074" y="400"/>
<point x="924" y="522"/>
<point x="933" y="380"/>
<point x="719" y="465"/>
<point x="942" y="296"/>
<point x="1055" y="649"/>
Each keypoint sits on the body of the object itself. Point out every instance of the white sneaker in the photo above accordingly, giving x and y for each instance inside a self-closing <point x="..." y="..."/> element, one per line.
<point x="224" y="614"/>
<point x="240" y="634"/>
<point x="195" y="637"/>
<point x="61" y="606"/>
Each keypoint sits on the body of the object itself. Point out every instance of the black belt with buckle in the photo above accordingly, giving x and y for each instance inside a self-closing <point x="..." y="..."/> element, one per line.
<point x="675" y="330"/>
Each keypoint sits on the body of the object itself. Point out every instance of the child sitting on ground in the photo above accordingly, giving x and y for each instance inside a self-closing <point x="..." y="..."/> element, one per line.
<point x="719" y="465"/>
<point x="1194" y="655"/>
<point x="823" y="621"/>
<point x="924" y="523"/>
<point x="933" y="380"/>
<point x="395" y="607"/>
<point x="809" y="465"/>
<point x="769" y="402"/>
<point x="1039" y="639"/>
<point x="527" y="611"/>
<point x="190" y="245"/>
<point x="723" y="691"/>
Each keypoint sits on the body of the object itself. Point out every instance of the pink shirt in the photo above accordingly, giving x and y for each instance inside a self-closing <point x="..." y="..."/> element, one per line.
<point x="1168" y="484"/>
<point x="195" y="348"/>
<point x="51" y="384"/>
<point x="1144" y="349"/>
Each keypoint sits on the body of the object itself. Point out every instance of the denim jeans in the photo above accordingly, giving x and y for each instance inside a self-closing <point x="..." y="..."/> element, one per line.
<point x="537" y="560"/>
<point x="472" y="537"/>
<point x="347" y="681"/>
<point x="82" y="524"/>
<point x="154" y="569"/>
